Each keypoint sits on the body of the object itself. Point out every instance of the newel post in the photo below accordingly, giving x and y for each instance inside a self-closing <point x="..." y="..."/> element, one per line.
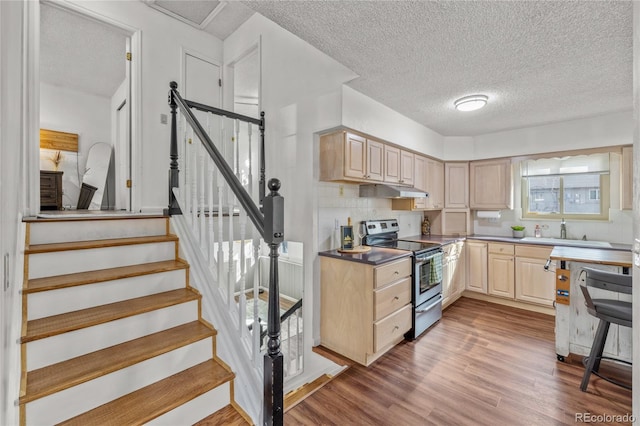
<point x="173" y="153"/>
<point x="273" y="363"/>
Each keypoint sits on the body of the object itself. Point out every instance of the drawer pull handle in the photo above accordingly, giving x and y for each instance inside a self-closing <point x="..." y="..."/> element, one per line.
<point x="396" y="298"/>
<point x="396" y="328"/>
<point x="396" y="273"/>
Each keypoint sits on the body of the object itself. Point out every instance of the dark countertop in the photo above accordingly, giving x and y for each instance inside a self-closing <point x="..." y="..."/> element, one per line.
<point x="448" y="239"/>
<point x="376" y="256"/>
<point x="614" y="246"/>
<point x="592" y="255"/>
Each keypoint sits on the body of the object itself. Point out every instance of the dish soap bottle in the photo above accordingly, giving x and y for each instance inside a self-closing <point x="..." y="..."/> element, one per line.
<point x="537" y="231"/>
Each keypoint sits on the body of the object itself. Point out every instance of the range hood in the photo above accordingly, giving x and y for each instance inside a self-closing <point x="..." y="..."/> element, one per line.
<point x="374" y="190"/>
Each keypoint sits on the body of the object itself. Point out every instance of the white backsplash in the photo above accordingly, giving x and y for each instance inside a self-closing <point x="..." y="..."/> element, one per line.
<point x="618" y="229"/>
<point x="338" y="202"/>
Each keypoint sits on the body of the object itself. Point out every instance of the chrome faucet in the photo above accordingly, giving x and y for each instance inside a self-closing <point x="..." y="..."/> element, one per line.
<point x="563" y="229"/>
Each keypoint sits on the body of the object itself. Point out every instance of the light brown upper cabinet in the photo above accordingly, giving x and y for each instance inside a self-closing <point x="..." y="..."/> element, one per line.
<point x="491" y="184"/>
<point x="626" y="176"/>
<point x="420" y="173"/>
<point x="398" y="166"/>
<point x="456" y="185"/>
<point x="349" y="157"/>
<point x="435" y="184"/>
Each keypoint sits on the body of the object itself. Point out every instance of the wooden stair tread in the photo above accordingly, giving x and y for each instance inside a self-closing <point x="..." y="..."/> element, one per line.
<point x="57" y="377"/>
<point x="82" y="278"/>
<point x="227" y="416"/>
<point x="145" y="404"/>
<point x="95" y="216"/>
<point x="62" y="323"/>
<point x="113" y="242"/>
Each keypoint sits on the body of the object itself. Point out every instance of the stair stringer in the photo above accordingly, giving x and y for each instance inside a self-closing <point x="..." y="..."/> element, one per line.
<point x="248" y="381"/>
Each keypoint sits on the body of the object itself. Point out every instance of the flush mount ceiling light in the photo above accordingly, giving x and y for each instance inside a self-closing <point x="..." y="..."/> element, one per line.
<point x="470" y="103"/>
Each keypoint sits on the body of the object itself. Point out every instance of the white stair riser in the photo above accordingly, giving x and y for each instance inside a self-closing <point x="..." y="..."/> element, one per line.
<point x="72" y="261"/>
<point x="86" y="396"/>
<point x="54" y="349"/>
<point x="87" y="230"/>
<point x="54" y="302"/>
<point x="196" y="409"/>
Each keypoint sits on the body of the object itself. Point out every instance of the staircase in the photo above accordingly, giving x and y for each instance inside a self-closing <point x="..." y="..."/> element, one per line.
<point x="112" y="332"/>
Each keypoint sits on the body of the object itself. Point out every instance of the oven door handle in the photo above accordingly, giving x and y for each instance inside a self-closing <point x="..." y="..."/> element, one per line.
<point x="431" y="306"/>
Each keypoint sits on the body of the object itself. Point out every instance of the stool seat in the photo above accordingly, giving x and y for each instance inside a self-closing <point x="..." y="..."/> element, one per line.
<point x="608" y="311"/>
<point x="617" y="311"/>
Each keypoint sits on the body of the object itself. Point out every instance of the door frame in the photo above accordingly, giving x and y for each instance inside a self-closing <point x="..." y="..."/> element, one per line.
<point x="31" y="91"/>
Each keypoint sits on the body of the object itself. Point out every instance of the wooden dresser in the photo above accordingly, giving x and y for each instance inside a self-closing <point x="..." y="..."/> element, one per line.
<point x="50" y="190"/>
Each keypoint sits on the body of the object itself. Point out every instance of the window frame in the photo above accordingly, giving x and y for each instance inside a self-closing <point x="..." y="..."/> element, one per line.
<point x="604" y="201"/>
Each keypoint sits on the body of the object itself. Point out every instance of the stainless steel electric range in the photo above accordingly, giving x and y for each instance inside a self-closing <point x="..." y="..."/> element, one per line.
<point x="426" y="294"/>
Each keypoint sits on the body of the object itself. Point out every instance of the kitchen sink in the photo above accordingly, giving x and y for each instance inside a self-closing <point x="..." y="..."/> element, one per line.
<point x="565" y="242"/>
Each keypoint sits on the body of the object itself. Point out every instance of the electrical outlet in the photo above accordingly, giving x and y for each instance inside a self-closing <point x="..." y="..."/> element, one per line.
<point x="163" y="118"/>
<point x="341" y="190"/>
<point x="337" y="225"/>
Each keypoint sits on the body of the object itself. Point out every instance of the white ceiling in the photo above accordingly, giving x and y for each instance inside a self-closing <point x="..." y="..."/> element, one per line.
<point x="80" y="53"/>
<point x="538" y="61"/>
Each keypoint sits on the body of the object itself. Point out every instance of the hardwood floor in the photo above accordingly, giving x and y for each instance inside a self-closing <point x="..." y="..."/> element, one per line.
<point x="482" y="364"/>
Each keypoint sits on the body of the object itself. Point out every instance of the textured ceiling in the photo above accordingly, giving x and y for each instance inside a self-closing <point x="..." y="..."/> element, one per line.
<point x="80" y="53"/>
<point x="539" y="62"/>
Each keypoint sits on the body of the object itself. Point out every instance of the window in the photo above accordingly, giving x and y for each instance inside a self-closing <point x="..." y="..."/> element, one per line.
<point x="573" y="187"/>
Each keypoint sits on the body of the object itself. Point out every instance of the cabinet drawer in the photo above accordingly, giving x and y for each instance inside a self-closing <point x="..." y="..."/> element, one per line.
<point x="391" y="328"/>
<point x="534" y="252"/>
<point x="501" y="248"/>
<point x="47" y="181"/>
<point x="386" y="274"/>
<point x="391" y="298"/>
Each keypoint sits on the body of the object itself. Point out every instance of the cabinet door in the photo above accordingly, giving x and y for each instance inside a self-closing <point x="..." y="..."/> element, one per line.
<point x="491" y="184"/>
<point x="456" y="185"/>
<point x="435" y="183"/>
<point x="420" y="173"/>
<point x="459" y="269"/>
<point x="533" y="283"/>
<point x="406" y="167"/>
<point x="392" y="164"/>
<point x="375" y="160"/>
<point x="626" y="186"/>
<point x="477" y="266"/>
<point x="355" y="158"/>
<point x="501" y="275"/>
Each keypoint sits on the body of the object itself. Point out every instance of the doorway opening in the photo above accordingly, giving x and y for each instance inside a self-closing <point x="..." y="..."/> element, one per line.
<point x="85" y="97"/>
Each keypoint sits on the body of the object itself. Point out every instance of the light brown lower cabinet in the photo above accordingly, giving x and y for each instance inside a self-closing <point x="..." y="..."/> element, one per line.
<point x="364" y="309"/>
<point x="476" y="266"/>
<point x="501" y="268"/>
<point x="533" y="283"/>
<point x="515" y="272"/>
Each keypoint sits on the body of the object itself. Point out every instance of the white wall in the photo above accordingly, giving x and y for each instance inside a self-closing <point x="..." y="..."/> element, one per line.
<point x="636" y="200"/>
<point x="604" y="130"/>
<point x="162" y="39"/>
<point x="12" y="190"/>
<point x="71" y="111"/>
<point x="362" y="113"/>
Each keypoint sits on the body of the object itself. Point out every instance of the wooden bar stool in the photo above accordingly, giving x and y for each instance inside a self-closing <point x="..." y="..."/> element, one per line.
<point x="609" y="312"/>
